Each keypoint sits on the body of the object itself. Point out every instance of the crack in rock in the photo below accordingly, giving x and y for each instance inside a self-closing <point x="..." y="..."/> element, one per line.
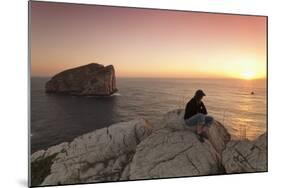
<point x="168" y="159"/>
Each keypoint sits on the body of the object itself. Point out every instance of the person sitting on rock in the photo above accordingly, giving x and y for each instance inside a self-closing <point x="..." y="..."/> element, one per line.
<point x="196" y="116"/>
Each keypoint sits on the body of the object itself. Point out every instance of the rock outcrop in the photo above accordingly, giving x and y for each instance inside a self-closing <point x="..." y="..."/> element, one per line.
<point x="218" y="135"/>
<point x="101" y="155"/>
<point x="173" y="150"/>
<point x="245" y="155"/>
<point x="92" y="79"/>
<point x="137" y="150"/>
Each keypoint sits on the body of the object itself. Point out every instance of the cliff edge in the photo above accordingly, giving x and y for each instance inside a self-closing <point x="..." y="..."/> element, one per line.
<point x="137" y="150"/>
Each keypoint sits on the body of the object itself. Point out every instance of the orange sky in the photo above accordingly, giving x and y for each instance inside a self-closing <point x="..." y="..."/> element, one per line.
<point x="145" y="42"/>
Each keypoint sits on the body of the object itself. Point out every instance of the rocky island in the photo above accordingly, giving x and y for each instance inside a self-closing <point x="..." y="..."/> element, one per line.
<point x="139" y="150"/>
<point x="88" y="80"/>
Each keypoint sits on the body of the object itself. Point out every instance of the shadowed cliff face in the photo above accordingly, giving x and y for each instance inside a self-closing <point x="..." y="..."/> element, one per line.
<point x="89" y="80"/>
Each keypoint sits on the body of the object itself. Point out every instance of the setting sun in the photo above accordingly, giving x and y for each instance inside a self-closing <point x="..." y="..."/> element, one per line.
<point x="248" y="75"/>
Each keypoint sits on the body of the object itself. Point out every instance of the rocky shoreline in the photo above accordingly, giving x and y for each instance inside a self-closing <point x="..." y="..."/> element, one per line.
<point x="139" y="150"/>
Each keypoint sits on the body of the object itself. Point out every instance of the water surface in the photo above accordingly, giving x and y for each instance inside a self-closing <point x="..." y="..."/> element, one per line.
<point x="58" y="118"/>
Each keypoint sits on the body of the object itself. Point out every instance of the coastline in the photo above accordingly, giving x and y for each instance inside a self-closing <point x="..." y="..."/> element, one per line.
<point x="139" y="150"/>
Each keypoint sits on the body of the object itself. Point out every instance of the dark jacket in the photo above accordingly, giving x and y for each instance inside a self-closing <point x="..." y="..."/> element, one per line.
<point x="192" y="108"/>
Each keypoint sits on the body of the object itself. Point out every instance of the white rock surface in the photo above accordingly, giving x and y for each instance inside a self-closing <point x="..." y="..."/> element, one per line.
<point x="136" y="150"/>
<point x="97" y="156"/>
<point x="168" y="153"/>
<point x="218" y="136"/>
<point x="172" y="120"/>
<point x="50" y="151"/>
<point x="37" y="155"/>
<point x="174" y="150"/>
<point x="246" y="156"/>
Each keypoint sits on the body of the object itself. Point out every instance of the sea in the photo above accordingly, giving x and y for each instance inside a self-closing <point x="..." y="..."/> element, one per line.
<point x="241" y="105"/>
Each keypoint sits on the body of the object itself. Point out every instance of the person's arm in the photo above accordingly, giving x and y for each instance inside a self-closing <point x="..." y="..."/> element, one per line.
<point x="203" y="108"/>
<point x="187" y="111"/>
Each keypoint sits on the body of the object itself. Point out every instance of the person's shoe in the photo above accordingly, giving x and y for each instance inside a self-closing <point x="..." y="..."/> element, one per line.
<point x="201" y="138"/>
<point x="204" y="134"/>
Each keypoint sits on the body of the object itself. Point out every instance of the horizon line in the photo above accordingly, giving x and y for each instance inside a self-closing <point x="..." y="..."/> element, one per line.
<point x="147" y="77"/>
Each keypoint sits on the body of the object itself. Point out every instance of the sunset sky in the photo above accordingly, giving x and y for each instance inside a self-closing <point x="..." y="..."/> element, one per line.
<point x="146" y="42"/>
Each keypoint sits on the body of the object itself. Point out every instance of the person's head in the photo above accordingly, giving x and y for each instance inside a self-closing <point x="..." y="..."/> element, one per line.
<point x="199" y="94"/>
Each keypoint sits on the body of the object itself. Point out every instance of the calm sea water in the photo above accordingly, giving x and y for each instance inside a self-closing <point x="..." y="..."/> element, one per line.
<point x="57" y="118"/>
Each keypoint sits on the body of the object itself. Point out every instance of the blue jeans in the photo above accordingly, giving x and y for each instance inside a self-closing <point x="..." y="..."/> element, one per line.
<point x="199" y="119"/>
